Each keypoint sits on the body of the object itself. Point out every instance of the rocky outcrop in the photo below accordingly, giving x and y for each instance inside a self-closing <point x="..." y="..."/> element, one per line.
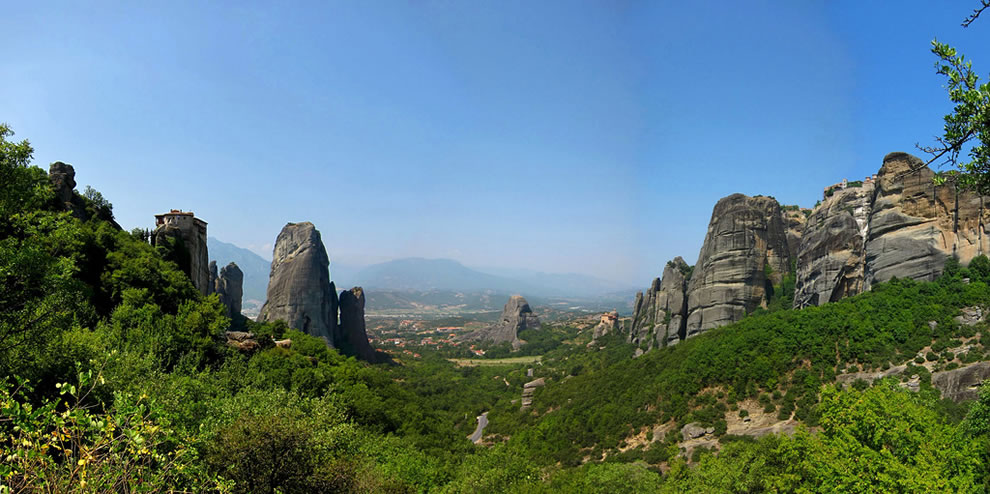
<point x="963" y="383"/>
<point x="229" y="286"/>
<point x="903" y="225"/>
<point x="299" y="288"/>
<point x="353" y="336"/>
<point x="63" y="179"/>
<point x="830" y="259"/>
<point x="301" y="294"/>
<point x="694" y="430"/>
<point x="659" y="316"/>
<point x="243" y="341"/>
<point x="181" y="237"/>
<point x="516" y="316"/>
<point x="609" y="324"/>
<point x="745" y="252"/>
<point x="528" y="390"/>
<point x="969" y="316"/>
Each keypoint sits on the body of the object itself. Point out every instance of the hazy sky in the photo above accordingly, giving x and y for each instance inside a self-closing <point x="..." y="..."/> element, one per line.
<point x="589" y="137"/>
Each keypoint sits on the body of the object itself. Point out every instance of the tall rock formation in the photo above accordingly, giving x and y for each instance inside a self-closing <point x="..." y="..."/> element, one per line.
<point x="915" y="226"/>
<point x="229" y="286"/>
<point x="902" y="225"/>
<point x="183" y="235"/>
<point x="830" y="260"/>
<point x="659" y="317"/>
<point x="299" y="288"/>
<point x="895" y="223"/>
<point x="745" y="252"/>
<point x="516" y="316"/>
<point x="354" y="337"/>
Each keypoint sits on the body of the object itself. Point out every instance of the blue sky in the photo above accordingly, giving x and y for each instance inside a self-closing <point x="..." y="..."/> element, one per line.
<point x="589" y="137"/>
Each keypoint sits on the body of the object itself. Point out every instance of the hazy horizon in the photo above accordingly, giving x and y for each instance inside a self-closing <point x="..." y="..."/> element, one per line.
<point x="556" y="137"/>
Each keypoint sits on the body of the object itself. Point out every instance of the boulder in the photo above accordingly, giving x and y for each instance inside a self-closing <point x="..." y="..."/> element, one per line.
<point x="744" y="254"/>
<point x="353" y="335"/>
<point x="299" y="288"/>
<point x="693" y="430"/>
<point x="242" y="341"/>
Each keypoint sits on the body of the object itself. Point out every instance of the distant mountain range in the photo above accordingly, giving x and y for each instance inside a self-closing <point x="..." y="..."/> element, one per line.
<point x="417" y="281"/>
<point x="419" y="274"/>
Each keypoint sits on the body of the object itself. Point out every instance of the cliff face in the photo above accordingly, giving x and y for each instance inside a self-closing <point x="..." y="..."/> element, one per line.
<point x="299" y="288"/>
<point x="903" y="226"/>
<point x="516" y="316"/>
<point x="830" y="259"/>
<point x="794" y="220"/>
<point x="915" y="226"/>
<point x="745" y="252"/>
<point x="899" y="224"/>
<point x="659" y="317"/>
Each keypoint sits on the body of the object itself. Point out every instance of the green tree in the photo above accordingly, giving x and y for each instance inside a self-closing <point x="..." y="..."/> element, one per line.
<point x="965" y="142"/>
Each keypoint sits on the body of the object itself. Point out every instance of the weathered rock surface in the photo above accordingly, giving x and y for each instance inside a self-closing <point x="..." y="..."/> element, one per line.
<point x="229" y="286"/>
<point x="915" y="226"/>
<point x="353" y="336"/>
<point x="659" y="317"/>
<point x="63" y="178"/>
<point x="794" y="221"/>
<point x="903" y="226"/>
<point x="694" y="430"/>
<point x="744" y="253"/>
<point x="962" y="383"/>
<point x="299" y="288"/>
<point x="830" y="260"/>
<point x="970" y="316"/>
<point x="243" y="341"/>
<point x="516" y="316"/>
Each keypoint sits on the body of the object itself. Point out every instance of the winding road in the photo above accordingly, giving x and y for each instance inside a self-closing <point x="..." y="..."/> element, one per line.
<point x="482" y="423"/>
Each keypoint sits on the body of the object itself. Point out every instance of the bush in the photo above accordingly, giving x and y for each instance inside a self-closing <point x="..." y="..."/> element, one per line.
<point x="65" y="444"/>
